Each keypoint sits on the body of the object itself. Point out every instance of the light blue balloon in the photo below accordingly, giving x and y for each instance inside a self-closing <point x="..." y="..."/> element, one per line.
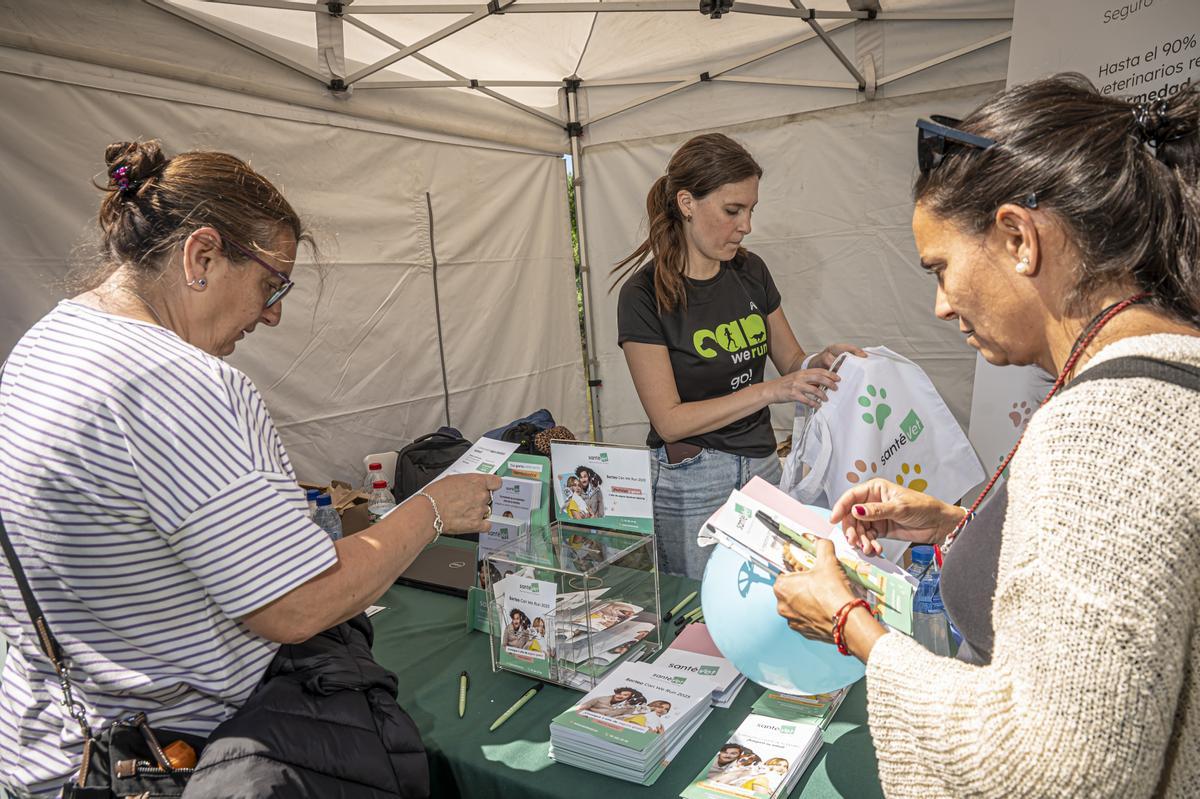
<point x="740" y="611"/>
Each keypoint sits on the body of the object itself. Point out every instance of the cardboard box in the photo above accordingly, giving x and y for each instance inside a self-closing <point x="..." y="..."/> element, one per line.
<point x="351" y="504"/>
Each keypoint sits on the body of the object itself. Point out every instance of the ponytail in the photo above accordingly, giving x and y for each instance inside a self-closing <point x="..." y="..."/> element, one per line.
<point x="702" y="165"/>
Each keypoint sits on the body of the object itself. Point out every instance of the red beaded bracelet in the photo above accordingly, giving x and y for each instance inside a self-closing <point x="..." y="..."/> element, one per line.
<point x="839" y="623"/>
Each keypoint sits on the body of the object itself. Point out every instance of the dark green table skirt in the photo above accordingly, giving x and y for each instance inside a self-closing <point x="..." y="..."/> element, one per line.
<point x="422" y="636"/>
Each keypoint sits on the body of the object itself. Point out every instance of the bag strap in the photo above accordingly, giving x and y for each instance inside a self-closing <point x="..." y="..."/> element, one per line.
<point x="1179" y="374"/>
<point x="49" y="644"/>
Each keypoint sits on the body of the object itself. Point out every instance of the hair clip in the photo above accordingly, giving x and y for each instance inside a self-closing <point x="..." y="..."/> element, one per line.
<point x="122" y="181"/>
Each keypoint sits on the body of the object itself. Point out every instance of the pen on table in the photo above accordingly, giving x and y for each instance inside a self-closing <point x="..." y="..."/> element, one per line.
<point x="464" y="682"/>
<point x="525" y="697"/>
<point x="682" y="604"/>
<point x="691" y="614"/>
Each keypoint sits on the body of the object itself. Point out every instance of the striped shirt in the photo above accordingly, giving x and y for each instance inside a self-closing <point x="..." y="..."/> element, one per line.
<point x="152" y="506"/>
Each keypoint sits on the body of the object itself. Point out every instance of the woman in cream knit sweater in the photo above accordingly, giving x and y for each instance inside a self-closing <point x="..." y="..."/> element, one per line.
<point x="1077" y="588"/>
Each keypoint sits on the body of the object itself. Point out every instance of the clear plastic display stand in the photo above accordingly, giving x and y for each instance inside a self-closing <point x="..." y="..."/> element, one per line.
<point x="573" y="602"/>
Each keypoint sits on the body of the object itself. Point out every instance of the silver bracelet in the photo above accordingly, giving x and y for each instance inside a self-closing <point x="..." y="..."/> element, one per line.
<point x="437" y="516"/>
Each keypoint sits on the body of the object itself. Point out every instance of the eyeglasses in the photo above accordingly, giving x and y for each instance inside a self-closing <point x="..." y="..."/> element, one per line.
<point x="935" y="134"/>
<point x="286" y="282"/>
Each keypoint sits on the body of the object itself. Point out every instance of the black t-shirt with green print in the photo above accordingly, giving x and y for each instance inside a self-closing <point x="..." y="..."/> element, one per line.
<point x="717" y="343"/>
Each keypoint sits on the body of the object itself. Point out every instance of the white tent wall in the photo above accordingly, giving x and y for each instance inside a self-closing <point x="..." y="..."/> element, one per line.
<point x="354" y="366"/>
<point x="833" y="225"/>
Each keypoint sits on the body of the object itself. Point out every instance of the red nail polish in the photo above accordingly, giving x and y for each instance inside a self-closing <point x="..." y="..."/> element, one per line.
<point x="859" y="510"/>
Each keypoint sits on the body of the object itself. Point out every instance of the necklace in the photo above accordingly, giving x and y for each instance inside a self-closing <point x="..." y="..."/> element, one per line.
<point x="149" y="307"/>
<point x="1081" y="343"/>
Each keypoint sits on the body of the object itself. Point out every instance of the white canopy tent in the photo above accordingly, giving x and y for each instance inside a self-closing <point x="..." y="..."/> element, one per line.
<point x="376" y="117"/>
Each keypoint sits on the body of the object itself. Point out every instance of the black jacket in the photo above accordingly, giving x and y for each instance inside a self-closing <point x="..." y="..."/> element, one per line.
<point x="323" y="723"/>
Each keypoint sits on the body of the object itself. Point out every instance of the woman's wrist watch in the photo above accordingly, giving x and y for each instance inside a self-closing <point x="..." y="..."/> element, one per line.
<point x="437" y="516"/>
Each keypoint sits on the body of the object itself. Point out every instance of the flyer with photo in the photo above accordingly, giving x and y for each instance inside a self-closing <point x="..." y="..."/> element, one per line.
<point x="636" y="703"/>
<point x="603" y="485"/>
<point x="763" y="756"/>
<point x="527" y="640"/>
<point x="516" y="498"/>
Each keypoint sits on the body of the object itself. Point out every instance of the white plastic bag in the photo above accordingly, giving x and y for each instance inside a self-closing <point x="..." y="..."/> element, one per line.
<point x="885" y="420"/>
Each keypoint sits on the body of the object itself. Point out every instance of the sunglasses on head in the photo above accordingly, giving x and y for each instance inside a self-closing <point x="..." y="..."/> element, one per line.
<point x="938" y="133"/>
<point x="935" y="136"/>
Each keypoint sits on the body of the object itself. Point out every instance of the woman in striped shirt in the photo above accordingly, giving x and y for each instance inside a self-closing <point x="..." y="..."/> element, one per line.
<point x="153" y="507"/>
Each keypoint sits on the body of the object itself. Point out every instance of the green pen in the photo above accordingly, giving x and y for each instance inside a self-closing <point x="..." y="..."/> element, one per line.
<point x="682" y="604"/>
<point x="464" y="682"/>
<point x="525" y="697"/>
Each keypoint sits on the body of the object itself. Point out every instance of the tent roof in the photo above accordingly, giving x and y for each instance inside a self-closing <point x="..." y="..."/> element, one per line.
<point x="495" y="72"/>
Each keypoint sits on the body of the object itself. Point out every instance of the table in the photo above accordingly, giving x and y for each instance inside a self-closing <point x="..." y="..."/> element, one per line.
<point x="423" y="637"/>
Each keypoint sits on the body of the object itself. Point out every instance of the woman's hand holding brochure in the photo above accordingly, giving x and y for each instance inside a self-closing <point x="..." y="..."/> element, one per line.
<point x="882" y="509"/>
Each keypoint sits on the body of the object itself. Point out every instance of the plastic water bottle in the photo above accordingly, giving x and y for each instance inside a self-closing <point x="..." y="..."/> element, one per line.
<point x="930" y="625"/>
<point x="381" y="500"/>
<point x="311" y="496"/>
<point x="327" y="517"/>
<point x="374" y="472"/>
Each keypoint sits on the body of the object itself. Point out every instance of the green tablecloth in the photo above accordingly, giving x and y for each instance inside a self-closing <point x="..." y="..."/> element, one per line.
<point x="422" y="636"/>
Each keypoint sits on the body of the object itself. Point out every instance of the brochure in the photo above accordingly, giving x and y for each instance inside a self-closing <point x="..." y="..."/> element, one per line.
<point x="632" y="723"/>
<point x="526" y="642"/>
<point x="603" y="485"/>
<point x="722" y="673"/>
<point x="763" y="759"/>
<point x="694" y="638"/>
<point x="759" y="532"/>
<point x="635" y="705"/>
<point x="503" y="532"/>
<point x="816" y="709"/>
<point x="516" y="499"/>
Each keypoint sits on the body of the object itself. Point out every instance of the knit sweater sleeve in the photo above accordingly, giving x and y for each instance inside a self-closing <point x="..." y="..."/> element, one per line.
<point x="1095" y="608"/>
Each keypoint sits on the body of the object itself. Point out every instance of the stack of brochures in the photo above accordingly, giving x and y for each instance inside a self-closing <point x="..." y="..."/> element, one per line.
<point x="693" y="650"/>
<point x="816" y="709"/>
<point x="633" y="723"/>
<point x="589" y="644"/>
<point x="763" y="759"/>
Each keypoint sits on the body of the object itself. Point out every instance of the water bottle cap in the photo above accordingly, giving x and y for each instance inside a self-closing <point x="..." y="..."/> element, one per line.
<point x="379" y="484"/>
<point x="374" y="467"/>
<point x="921" y="554"/>
<point x="311" y="494"/>
<point x="324" y="501"/>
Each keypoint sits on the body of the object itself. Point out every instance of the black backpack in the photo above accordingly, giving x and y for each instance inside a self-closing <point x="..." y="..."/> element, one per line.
<point x="425" y="459"/>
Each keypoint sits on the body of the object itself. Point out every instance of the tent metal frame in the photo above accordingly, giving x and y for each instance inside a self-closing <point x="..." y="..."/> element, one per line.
<point x="571" y="121"/>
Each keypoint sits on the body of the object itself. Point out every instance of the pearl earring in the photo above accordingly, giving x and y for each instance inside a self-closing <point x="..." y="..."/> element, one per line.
<point x="1023" y="265"/>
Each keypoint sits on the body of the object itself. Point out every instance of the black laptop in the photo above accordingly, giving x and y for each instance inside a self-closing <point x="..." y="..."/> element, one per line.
<point x="442" y="567"/>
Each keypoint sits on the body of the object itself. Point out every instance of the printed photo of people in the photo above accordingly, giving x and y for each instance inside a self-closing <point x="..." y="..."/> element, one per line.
<point x="584" y="497"/>
<point x="738" y="766"/>
<point x="632" y="707"/>
<point x="522" y="632"/>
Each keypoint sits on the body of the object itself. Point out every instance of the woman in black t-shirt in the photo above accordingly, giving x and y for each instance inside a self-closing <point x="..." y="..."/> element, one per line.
<point x="697" y="323"/>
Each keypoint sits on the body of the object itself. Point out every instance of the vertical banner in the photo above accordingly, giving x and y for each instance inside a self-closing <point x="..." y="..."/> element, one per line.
<point x="1144" y="50"/>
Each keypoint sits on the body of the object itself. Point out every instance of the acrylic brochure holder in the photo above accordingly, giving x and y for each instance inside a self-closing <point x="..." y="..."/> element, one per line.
<point x="571" y="603"/>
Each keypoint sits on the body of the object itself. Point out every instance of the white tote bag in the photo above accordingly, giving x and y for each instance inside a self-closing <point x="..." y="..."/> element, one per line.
<point x="885" y="420"/>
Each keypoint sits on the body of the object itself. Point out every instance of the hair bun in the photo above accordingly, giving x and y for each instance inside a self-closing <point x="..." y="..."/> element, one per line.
<point x="131" y="164"/>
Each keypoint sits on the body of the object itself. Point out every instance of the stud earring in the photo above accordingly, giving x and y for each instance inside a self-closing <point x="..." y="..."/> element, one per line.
<point x="201" y="283"/>
<point x="688" y="217"/>
<point x="1023" y="265"/>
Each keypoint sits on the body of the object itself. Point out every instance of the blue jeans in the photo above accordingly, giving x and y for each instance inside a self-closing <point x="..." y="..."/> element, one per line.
<point x="688" y="492"/>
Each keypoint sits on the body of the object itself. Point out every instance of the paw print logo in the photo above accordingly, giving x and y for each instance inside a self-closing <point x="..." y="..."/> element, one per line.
<point x="881" y="412"/>
<point x="861" y="472"/>
<point x="1020" y="413"/>
<point x="908" y="477"/>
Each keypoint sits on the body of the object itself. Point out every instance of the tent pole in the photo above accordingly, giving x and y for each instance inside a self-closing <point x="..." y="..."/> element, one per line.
<point x="574" y="131"/>
<point x="837" y="51"/>
<point x="970" y="48"/>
